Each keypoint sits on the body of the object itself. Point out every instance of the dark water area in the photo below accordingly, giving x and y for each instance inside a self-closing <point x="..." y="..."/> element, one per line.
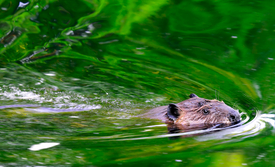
<point x="85" y="69"/>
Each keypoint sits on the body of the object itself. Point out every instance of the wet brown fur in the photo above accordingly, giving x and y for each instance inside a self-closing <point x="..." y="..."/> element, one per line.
<point x="192" y="116"/>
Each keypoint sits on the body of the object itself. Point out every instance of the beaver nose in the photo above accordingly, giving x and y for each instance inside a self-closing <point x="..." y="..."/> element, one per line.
<point x="234" y="116"/>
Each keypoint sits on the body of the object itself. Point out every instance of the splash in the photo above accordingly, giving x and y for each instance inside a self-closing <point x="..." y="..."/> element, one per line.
<point x="59" y="101"/>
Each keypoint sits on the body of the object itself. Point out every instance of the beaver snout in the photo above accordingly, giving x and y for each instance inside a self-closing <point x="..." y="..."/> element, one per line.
<point x="234" y="117"/>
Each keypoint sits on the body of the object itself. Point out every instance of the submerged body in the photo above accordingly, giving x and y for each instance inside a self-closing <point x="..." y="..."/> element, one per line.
<point x="194" y="114"/>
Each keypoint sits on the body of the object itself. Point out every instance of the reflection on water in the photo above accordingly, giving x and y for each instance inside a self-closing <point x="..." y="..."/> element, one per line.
<point x="114" y="60"/>
<point x="42" y="146"/>
<point x="236" y="132"/>
<point x="245" y="130"/>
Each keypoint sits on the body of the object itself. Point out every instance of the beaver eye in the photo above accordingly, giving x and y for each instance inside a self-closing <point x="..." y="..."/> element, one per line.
<point x="205" y="111"/>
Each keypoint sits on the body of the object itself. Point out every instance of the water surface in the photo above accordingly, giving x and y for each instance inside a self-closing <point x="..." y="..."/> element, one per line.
<point x="103" y="62"/>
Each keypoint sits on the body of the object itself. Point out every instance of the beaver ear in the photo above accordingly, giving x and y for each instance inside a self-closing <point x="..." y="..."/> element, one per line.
<point x="193" y="95"/>
<point x="173" y="111"/>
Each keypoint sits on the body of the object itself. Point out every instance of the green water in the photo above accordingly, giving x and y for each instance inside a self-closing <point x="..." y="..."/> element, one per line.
<point x="117" y="59"/>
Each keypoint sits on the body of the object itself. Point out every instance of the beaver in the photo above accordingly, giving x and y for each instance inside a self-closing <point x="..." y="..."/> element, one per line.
<point x="195" y="113"/>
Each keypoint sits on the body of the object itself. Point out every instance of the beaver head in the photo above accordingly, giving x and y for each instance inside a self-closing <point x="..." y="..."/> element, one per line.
<point x="199" y="113"/>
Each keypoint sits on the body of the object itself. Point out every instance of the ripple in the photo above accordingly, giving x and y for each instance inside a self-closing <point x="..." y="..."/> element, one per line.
<point x="237" y="132"/>
<point x="250" y="129"/>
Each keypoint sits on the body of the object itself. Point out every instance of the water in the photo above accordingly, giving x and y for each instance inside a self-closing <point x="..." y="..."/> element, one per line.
<point x="74" y="76"/>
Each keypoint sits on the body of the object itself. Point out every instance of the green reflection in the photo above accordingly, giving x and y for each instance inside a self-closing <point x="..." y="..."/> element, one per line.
<point x="129" y="56"/>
